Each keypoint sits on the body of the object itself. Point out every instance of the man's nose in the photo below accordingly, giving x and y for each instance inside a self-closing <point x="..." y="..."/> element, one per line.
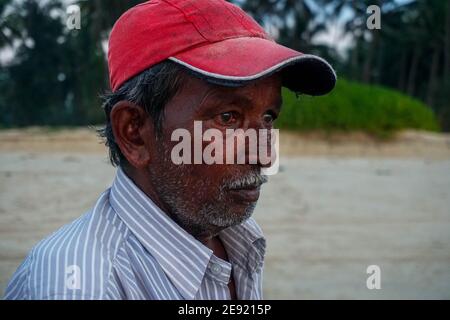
<point x="266" y="152"/>
<point x="259" y="148"/>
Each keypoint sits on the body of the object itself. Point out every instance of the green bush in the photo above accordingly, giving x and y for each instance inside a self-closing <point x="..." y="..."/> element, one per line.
<point x="356" y="107"/>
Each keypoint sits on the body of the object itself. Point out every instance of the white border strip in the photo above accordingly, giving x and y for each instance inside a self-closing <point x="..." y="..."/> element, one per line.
<point x="258" y="75"/>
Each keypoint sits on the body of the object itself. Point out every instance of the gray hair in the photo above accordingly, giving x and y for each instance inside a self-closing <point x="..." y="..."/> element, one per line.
<point x="151" y="90"/>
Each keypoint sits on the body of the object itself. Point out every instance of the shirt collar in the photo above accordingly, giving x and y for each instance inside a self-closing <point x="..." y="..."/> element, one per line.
<point x="182" y="257"/>
<point x="245" y="245"/>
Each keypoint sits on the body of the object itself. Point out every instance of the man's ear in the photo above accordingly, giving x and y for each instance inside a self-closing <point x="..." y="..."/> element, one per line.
<point x="133" y="129"/>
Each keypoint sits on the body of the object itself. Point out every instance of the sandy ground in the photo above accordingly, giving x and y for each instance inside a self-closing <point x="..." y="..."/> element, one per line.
<point x="338" y="205"/>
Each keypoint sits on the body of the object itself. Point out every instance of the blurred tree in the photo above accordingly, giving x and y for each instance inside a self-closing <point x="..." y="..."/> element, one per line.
<point x="410" y="52"/>
<point x="415" y="58"/>
<point x="35" y="87"/>
<point x="9" y="24"/>
<point x="294" y="21"/>
<point x="56" y="74"/>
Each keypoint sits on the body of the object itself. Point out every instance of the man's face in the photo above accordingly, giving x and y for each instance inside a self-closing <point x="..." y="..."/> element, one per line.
<point x="204" y="198"/>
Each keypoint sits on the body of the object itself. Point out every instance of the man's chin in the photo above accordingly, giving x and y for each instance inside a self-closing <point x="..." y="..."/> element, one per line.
<point x="234" y="217"/>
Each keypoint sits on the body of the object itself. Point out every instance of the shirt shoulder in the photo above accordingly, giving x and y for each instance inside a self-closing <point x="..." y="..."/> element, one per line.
<point x="74" y="262"/>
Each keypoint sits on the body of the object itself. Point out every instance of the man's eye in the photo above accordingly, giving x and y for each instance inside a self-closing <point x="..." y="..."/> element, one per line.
<point x="269" y="117"/>
<point x="227" y="118"/>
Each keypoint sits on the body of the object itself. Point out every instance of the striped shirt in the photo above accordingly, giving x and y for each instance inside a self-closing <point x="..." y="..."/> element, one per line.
<point x="125" y="247"/>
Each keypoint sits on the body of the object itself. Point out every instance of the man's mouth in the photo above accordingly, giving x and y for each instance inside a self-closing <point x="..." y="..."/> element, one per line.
<point x="246" y="189"/>
<point x="245" y="195"/>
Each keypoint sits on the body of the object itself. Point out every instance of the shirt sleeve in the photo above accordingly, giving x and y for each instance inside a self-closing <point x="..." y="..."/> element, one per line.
<point x="18" y="287"/>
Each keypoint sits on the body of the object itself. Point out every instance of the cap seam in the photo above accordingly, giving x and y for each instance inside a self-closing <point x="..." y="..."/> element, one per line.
<point x="236" y="18"/>
<point x="184" y="15"/>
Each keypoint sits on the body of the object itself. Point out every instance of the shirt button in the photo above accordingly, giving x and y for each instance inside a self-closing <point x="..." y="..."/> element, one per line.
<point x="216" y="269"/>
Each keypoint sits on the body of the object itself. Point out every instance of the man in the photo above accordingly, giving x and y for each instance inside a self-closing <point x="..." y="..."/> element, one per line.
<point x="166" y="230"/>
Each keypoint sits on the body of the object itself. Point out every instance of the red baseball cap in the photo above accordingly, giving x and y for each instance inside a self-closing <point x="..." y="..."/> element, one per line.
<point x="215" y="40"/>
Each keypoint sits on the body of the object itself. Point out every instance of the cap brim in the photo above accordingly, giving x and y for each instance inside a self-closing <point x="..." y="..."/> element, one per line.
<point x="238" y="61"/>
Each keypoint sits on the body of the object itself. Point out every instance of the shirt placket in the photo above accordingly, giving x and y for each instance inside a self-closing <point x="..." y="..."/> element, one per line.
<point x="219" y="271"/>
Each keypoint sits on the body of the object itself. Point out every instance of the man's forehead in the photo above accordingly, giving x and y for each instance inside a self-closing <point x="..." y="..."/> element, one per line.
<point x="247" y="97"/>
<point x="268" y="89"/>
<point x="196" y="94"/>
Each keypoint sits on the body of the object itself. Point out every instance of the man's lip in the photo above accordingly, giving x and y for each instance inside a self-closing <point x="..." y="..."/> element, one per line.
<point x="245" y="194"/>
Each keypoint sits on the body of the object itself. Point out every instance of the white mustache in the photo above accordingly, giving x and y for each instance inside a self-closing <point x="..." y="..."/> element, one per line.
<point x="251" y="180"/>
